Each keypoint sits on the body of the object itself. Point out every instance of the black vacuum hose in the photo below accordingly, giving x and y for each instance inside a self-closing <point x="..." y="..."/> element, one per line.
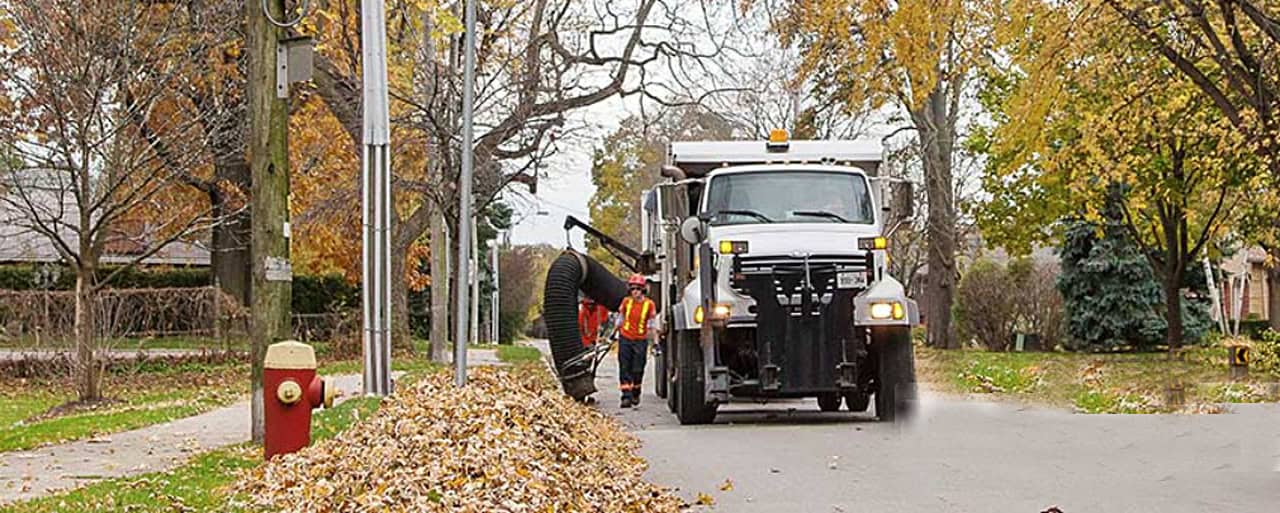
<point x="568" y="274"/>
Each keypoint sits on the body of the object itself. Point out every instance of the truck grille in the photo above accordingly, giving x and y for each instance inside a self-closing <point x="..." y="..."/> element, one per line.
<point x="786" y="276"/>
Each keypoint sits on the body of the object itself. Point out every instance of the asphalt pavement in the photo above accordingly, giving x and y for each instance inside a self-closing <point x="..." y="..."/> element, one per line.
<point x="958" y="455"/>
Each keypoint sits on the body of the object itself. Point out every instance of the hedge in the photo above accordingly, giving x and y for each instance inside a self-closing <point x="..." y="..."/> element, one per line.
<point x="312" y="294"/>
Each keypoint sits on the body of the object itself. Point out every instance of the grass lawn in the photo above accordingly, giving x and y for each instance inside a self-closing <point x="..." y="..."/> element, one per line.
<point x="140" y="399"/>
<point x="135" y="344"/>
<point x="518" y="354"/>
<point x="414" y="364"/>
<point x="1095" y="383"/>
<point x="154" y="394"/>
<point x="201" y="483"/>
<point x="195" y="486"/>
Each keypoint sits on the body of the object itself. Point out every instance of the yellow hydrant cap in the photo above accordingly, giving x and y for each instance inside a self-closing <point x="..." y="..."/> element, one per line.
<point x="289" y="392"/>
<point x="290" y="354"/>
<point x="330" y="393"/>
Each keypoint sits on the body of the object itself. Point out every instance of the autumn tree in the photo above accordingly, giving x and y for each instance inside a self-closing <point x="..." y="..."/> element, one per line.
<point x="1087" y="114"/>
<point x="102" y="148"/>
<point x="628" y="162"/>
<point x="538" y="61"/>
<point x="1227" y="50"/>
<point x="917" y="57"/>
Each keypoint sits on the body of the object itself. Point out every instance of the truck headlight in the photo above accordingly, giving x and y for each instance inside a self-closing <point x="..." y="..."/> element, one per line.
<point x="893" y="310"/>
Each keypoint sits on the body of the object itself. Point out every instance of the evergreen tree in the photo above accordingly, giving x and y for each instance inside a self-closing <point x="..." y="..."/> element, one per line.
<point x="1112" y="298"/>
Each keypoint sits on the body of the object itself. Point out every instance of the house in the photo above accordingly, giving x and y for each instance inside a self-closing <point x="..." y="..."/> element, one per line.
<point x="1243" y="278"/>
<point x="21" y="245"/>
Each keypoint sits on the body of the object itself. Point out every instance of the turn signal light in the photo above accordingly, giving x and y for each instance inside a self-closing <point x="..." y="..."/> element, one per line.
<point x="733" y="247"/>
<point x="869" y="243"/>
<point x="720" y="311"/>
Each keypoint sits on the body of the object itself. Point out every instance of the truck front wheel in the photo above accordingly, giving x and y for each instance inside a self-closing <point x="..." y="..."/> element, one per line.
<point x="857" y="401"/>
<point x="829" y="402"/>
<point x="691" y="403"/>
<point x="895" y="372"/>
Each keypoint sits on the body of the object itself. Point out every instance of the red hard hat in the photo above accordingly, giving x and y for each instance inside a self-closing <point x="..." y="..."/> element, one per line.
<point x="635" y="281"/>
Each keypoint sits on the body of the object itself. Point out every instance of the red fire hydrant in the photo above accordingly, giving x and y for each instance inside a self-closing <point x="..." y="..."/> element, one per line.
<point x="291" y="390"/>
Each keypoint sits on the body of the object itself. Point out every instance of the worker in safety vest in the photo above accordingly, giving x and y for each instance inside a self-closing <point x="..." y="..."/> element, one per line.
<point x="633" y="340"/>
<point x="591" y="316"/>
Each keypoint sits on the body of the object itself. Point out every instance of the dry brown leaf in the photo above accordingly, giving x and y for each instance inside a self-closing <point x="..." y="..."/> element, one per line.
<point x="705" y="500"/>
<point x="727" y="485"/>
<point x="502" y="444"/>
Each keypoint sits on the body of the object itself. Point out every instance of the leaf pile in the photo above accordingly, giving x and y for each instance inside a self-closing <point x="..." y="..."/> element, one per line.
<point x="502" y="444"/>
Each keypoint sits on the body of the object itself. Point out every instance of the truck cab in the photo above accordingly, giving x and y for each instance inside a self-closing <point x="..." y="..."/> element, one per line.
<point x="772" y="278"/>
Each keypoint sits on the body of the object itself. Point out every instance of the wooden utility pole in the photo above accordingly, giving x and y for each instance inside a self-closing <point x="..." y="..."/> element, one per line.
<point x="269" y="168"/>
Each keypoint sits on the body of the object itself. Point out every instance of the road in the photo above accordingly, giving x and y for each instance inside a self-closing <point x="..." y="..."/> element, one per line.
<point x="959" y="455"/>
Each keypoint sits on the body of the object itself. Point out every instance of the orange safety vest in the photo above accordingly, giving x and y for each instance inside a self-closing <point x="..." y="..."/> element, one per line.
<point x="635" y="317"/>
<point x="589" y="321"/>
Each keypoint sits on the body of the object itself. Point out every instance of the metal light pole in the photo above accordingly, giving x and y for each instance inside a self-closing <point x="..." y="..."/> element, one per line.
<point x="494" y="335"/>
<point x="475" y="283"/>
<point x="464" y="194"/>
<point x="375" y="188"/>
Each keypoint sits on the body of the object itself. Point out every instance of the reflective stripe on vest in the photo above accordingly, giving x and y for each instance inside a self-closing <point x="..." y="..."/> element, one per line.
<point x="628" y="324"/>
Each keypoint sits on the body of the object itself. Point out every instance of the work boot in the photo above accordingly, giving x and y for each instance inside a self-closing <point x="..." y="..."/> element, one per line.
<point x="626" y="402"/>
<point x="635" y="399"/>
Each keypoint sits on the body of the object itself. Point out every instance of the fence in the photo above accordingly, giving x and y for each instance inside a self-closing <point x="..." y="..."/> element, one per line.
<point x="46" y="319"/>
<point x="121" y="313"/>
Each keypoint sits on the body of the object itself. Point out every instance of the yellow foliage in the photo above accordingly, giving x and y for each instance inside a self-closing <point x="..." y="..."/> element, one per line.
<point x="882" y="51"/>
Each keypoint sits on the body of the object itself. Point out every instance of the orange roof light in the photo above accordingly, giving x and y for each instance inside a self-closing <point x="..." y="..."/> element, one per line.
<point x="777" y="141"/>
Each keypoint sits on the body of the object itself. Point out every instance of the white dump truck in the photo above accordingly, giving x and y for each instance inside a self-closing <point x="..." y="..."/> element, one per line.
<point x="768" y="262"/>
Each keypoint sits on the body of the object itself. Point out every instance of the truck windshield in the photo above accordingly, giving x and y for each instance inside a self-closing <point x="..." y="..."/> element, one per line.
<point x="789" y="197"/>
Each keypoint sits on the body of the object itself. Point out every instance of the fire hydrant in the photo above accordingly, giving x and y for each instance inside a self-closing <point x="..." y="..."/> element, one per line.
<point x="291" y="389"/>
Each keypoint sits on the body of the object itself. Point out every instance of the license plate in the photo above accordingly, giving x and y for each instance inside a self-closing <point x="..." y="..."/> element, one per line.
<point x="851" y="280"/>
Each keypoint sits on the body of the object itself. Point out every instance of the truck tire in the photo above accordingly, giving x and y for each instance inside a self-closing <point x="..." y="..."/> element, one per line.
<point x="857" y="401"/>
<point x="660" y="379"/>
<point x="895" y="372"/>
<point x="673" y="391"/>
<point x="829" y="402"/>
<point x="691" y="403"/>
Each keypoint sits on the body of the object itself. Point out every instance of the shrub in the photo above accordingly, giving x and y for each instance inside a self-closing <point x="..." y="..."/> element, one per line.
<point x="986" y="305"/>
<point x="994" y="303"/>
<point x="323" y="294"/>
<point x="1265" y="354"/>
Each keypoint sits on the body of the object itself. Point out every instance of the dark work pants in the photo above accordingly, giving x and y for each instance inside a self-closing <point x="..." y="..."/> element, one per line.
<point x="631" y="357"/>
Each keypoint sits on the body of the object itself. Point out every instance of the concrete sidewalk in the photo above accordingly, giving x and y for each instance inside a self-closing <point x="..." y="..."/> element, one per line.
<point x="33" y="473"/>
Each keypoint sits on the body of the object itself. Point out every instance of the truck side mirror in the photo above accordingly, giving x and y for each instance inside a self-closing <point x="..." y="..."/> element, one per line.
<point x="691" y="230"/>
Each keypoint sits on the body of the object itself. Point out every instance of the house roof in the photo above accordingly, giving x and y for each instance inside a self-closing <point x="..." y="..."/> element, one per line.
<point x="20" y="244"/>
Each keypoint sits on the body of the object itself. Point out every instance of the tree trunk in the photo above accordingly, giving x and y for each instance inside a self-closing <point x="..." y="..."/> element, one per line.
<point x="439" y="289"/>
<point x="1173" y="309"/>
<point x="88" y="383"/>
<point x="229" y="259"/>
<point x="937" y="139"/>
<point x="269" y="169"/>
<point x="1273" y="294"/>
<point x="401" y="335"/>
